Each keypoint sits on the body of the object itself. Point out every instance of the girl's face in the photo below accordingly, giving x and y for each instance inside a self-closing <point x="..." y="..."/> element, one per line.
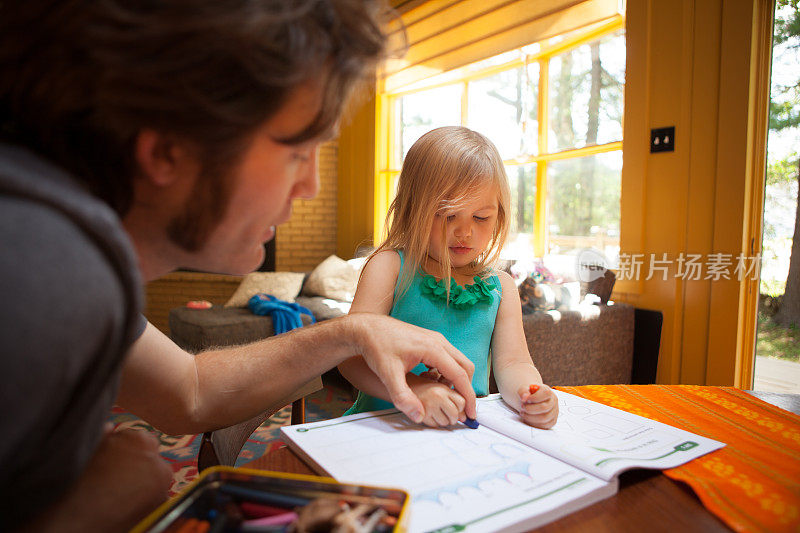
<point x="469" y="228"/>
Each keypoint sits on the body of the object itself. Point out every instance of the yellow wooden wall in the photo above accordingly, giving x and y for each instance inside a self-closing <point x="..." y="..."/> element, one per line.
<point x="356" y="177"/>
<point x="694" y="65"/>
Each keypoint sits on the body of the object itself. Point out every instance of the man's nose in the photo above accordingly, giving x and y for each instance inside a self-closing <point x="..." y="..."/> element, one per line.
<point x="307" y="185"/>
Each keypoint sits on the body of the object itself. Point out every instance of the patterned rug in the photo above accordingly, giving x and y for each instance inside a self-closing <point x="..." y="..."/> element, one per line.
<point x="181" y="451"/>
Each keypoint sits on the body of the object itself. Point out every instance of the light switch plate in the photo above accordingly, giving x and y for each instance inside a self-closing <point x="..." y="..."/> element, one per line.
<point x="662" y="140"/>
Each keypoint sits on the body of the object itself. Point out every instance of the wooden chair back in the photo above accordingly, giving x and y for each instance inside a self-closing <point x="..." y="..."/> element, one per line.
<point x="222" y="447"/>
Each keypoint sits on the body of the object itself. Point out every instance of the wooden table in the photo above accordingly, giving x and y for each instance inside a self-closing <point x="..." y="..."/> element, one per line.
<point x="646" y="499"/>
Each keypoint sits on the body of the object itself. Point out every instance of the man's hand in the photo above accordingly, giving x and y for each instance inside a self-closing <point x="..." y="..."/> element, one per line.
<point x="391" y="348"/>
<point x="539" y="406"/>
<point x="443" y="406"/>
<point x="124" y="481"/>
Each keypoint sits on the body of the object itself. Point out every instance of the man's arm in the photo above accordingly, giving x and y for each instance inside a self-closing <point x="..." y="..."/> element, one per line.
<point x="180" y="393"/>
<point x="375" y="294"/>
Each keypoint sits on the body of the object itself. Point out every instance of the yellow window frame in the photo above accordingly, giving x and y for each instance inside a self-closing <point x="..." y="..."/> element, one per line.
<point x="387" y="170"/>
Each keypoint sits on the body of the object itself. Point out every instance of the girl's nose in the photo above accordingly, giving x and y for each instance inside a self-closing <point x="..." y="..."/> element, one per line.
<point x="462" y="230"/>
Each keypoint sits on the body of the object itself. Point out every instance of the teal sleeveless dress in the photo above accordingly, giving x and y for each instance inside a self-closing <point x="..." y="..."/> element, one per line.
<point x="467" y="322"/>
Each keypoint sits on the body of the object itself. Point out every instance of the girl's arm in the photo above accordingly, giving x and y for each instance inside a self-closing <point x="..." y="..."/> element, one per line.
<point x="512" y="365"/>
<point x="375" y="294"/>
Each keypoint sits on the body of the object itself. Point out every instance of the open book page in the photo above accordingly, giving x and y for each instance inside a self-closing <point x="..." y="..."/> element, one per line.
<point x="599" y="439"/>
<point x="457" y="477"/>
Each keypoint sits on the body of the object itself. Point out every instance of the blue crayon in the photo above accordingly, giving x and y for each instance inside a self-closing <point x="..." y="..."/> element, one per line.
<point x="219" y="521"/>
<point x="471" y="423"/>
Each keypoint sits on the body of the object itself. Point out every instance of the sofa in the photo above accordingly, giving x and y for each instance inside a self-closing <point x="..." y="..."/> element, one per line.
<point x="587" y="343"/>
<point x="195" y="330"/>
<point x="590" y="345"/>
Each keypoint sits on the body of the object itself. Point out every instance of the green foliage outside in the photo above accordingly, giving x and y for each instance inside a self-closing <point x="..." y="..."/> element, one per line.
<point x="777" y="341"/>
<point x="772" y="287"/>
<point x="785" y="99"/>
<point x="774" y="339"/>
<point x="586" y="97"/>
<point x="780" y="202"/>
<point x="576" y="206"/>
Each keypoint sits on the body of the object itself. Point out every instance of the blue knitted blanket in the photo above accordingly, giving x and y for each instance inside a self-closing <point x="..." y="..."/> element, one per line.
<point x="285" y="315"/>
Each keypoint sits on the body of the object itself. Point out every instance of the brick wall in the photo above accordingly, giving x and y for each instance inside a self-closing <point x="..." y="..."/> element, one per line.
<point x="302" y="243"/>
<point x="310" y="235"/>
<point x="177" y="288"/>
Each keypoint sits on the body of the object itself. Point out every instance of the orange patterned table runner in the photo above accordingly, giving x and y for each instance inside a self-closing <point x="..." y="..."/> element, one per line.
<point x="753" y="483"/>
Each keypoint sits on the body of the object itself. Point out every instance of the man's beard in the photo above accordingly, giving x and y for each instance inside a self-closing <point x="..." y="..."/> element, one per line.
<point x="203" y="211"/>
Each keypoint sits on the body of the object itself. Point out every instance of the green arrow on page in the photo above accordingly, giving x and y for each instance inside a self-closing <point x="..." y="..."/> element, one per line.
<point x="682" y="447"/>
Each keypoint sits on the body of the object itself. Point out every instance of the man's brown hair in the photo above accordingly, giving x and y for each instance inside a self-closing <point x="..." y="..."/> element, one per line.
<point x="80" y="78"/>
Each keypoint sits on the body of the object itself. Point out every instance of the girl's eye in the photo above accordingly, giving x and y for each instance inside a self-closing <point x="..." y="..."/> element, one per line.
<point x="451" y="218"/>
<point x="481" y="219"/>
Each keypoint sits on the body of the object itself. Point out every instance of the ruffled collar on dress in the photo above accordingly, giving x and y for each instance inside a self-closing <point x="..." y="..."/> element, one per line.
<point x="460" y="297"/>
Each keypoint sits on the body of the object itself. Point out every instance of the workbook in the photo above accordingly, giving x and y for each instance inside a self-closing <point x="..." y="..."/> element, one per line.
<point x="503" y="476"/>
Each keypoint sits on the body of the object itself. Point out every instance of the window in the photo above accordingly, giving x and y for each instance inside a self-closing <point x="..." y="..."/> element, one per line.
<point x="554" y="110"/>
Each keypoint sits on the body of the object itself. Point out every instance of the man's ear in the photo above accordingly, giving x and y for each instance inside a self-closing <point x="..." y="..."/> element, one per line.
<point x="161" y="159"/>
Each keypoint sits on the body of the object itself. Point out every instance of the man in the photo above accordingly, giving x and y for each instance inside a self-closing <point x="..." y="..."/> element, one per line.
<point x="141" y="137"/>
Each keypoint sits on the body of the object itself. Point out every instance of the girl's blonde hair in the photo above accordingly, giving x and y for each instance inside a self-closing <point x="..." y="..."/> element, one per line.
<point x="442" y="169"/>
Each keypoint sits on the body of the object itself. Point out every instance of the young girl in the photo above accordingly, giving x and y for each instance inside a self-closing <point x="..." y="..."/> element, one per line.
<point x="448" y="223"/>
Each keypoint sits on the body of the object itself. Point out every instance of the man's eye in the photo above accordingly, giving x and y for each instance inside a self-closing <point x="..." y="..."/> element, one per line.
<point x="296" y="156"/>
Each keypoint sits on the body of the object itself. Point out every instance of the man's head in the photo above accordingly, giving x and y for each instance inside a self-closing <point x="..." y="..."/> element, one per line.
<point x="260" y="187"/>
<point x="80" y="80"/>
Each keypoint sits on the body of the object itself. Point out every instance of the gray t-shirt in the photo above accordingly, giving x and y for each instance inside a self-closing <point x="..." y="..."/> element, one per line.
<point x="71" y="308"/>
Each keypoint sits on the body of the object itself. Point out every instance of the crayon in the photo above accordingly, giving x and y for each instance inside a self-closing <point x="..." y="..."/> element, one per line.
<point x="219" y="521"/>
<point x="177" y="525"/>
<point x="286" y="501"/>
<point x="232" y="512"/>
<point x="276" y="520"/>
<point x="389" y="504"/>
<point x="533" y="389"/>
<point x="471" y="423"/>
<point x="374" y="519"/>
<point x="283" y="528"/>
<point x="189" y="526"/>
<point x="258" y="510"/>
<point x="193" y="525"/>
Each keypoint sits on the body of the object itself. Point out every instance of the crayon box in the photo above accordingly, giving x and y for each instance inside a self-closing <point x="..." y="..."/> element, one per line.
<point x="228" y="499"/>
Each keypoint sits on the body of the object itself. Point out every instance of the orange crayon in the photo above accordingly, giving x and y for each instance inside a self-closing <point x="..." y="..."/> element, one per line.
<point x="533" y="389"/>
<point x="189" y="526"/>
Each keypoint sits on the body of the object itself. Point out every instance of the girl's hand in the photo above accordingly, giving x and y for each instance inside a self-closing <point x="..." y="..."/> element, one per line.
<point x="539" y="406"/>
<point x="435" y="375"/>
<point x="443" y="405"/>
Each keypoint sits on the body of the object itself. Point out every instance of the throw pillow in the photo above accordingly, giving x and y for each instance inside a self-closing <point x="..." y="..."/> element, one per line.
<point x="334" y="278"/>
<point x="602" y="286"/>
<point x="282" y="285"/>
<point x="536" y="295"/>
